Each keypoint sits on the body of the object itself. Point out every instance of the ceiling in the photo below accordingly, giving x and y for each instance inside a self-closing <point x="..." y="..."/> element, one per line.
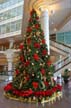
<point x="59" y="11"/>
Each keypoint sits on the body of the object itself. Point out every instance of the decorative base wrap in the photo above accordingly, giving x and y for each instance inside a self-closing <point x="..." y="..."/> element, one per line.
<point x="34" y="99"/>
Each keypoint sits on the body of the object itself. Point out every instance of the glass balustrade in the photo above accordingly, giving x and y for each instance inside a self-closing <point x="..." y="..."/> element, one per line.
<point x="62" y="63"/>
<point x="63" y="47"/>
<point x="18" y="11"/>
<point x="11" y="27"/>
<point x="9" y="3"/>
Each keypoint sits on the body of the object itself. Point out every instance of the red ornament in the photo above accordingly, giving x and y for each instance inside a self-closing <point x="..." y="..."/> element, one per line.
<point x="36" y="45"/>
<point x="36" y="57"/>
<point x="43" y="41"/>
<point x="35" y="84"/>
<point x="48" y="63"/>
<point x="21" y="58"/>
<point x="36" y="26"/>
<point x="8" y="87"/>
<point x="43" y="71"/>
<point x="30" y="20"/>
<point x="27" y="77"/>
<point x="21" y="46"/>
<point x="44" y="52"/>
<point x="27" y="63"/>
<point x="29" y="41"/>
<point x="17" y="72"/>
<point x="37" y="18"/>
<point x="29" y="29"/>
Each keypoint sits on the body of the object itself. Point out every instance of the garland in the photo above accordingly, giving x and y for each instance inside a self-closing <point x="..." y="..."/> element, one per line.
<point x="38" y="96"/>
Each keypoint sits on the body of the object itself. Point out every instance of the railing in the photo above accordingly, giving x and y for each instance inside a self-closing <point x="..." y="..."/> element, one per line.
<point x="6" y="76"/>
<point x="61" y="63"/>
<point x="9" y="3"/>
<point x="65" y="61"/>
<point x="61" y="46"/>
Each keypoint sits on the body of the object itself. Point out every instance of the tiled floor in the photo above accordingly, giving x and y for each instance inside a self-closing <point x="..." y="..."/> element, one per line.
<point x="65" y="102"/>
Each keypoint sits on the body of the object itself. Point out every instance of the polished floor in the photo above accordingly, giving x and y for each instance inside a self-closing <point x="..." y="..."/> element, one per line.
<point x="65" y="102"/>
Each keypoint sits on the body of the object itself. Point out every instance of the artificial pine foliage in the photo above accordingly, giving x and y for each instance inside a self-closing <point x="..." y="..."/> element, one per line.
<point x="33" y="75"/>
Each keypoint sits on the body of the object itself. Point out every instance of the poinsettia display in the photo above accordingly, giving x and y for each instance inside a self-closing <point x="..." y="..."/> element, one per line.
<point x="33" y="75"/>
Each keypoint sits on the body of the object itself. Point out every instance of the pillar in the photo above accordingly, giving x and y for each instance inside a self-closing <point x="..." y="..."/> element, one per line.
<point x="9" y="54"/>
<point x="44" y="19"/>
<point x="11" y="42"/>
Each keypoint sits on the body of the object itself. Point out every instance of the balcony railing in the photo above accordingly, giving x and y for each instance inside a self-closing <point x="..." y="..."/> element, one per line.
<point x="9" y="3"/>
<point x="61" y="46"/>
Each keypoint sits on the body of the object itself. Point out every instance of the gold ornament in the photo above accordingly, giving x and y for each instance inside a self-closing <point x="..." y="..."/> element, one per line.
<point x="29" y="50"/>
<point x="33" y="74"/>
<point x="40" y="64"/>
<point x="36" y="51"/>
<point x="34" y="98"/>
<point x="37" y="33"/>
<point x="49" y="73"/>
<point x="28" y="58"/>
<point x="34" y="36"/>
<point x="33" y="64"/>
<point x="40" y="43"/>
<point x="37" y="76"/>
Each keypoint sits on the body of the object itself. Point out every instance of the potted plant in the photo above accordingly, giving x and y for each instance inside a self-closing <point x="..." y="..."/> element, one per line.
<point x="66" y="76"/>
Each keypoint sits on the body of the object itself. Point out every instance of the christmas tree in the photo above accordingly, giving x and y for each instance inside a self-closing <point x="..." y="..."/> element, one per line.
<point x="33" y="76"/>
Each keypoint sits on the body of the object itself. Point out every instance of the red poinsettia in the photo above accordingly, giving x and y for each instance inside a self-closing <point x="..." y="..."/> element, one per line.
<point x="21" y="46"/>
<point x="36" y="57"/>
<point x="49" y="92"/>
<point x="36" y="45"/>
<point x="26" y="93"/>
<point x="17" y="71"/>
<point x="48" y="62"/>
<point x="43" y="71"/>
<point x="54" y="89"/>
<point x="44" y="52"/>
<point x="27" y="63"/>
<point x="29" y="41"/>
<point x="36" y="26"/>
<point x="44" y="93"/>
<point x="29" y="29"/>
<point x="8" y="87"/>
<point x="59" y="87"/>
<point x="35" y="84"/>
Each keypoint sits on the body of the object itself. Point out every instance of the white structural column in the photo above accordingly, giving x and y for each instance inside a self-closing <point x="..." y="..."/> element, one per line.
<point x="11" y="41"/>
<point x="9" y="54"/>
<point x="44" y="18"/>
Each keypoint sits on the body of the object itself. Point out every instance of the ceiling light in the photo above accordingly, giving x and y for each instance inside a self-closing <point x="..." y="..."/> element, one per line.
<point x="55" y="29"/>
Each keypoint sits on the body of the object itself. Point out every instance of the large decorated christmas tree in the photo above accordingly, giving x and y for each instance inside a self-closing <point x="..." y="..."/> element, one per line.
<point x="33" y="77"/>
